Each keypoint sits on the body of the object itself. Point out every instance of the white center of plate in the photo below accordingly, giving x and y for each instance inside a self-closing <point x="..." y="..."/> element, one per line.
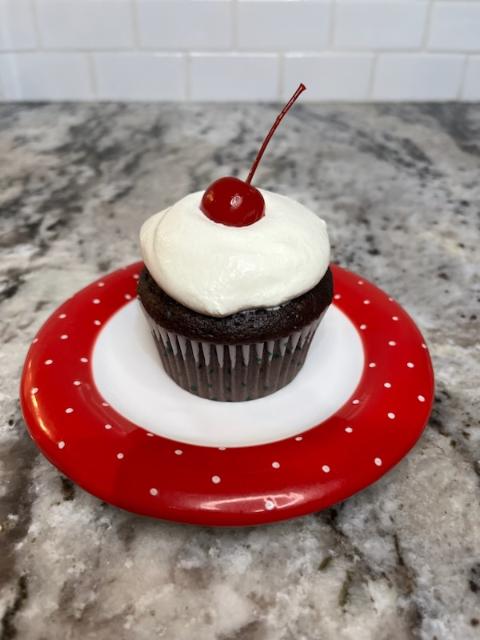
<point x="129" y="375"/>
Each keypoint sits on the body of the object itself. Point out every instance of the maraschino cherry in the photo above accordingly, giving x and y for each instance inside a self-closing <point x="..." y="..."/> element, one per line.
<point x="234" y="202"/>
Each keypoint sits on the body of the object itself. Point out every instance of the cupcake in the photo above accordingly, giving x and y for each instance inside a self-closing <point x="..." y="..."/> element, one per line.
<point x="235" y="284"/>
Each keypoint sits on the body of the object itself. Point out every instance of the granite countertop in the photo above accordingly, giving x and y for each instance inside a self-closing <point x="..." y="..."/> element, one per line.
<point x="400" y="189"/>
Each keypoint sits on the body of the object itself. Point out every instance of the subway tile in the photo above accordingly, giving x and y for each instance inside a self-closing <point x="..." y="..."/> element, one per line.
<point x="185" y="24"/>
<point x="140" y="76"/>
<point x="283" y="26"/>
<point x="46" y="76"/>
<point x="329" y="76"/>
<point x="395" y="24"/>
<point x="7" y="85"/>
<point x="471" y="84"/>
<point x="85" y="24"/>
<point x="417" y="77"/>
<point x="243" y="77"/>
<point x="455" y="26"/>
<point x="17" y="30"/>
<point x="168" y="30"/>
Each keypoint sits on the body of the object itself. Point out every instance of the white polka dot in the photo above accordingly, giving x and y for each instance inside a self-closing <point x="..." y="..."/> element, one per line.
<point x="348" y="429"/>
<point x="392" y="343"/>
<point x="97" y="322"/>
<point x="62" y="316"/>
<point x="96" y="301"/>
<point x="178" y="452"/>
<point x="100" y="284"/>
<point x="77" y="383"/>
<point x="421" y="398"/>
<point x="83" y="359"/>
<point x="120" y="456"/>
<point x="269" y="505"/>
<point x="326" y="468"/>
<point x="61" y="444"/>
<point x="49" y="361"/>
<point x="153" y="491"/>
<point x="135" y="276"/>
<point x="391" y="415"/>
<point x="150" y="435"/>
<point x="34" y="390"/>
<point x="366" y="301"/>
<point x="360" y="282"/>
<point x="222" y="448"/>
<point x="105" y="404"/>
<point x="391" y="299"/>
<point x="378" y="462"/>
<point x="69" y="410"/>
<point x="424" y="346"/>
<point x="34" y="340"/>
<point x="372" y="365"/>
<point x="395" y="318"/>
<point x="363" y="327"/>
<point x="410" y="365"/>
<point x="299" y="438"/>
<point x="108" y="426"/>
<point x="387" y="385"/>
<point x="276" y="465"/>
<point x="356" y="401"/>
<point x="337" y="296"/>
<point x="64" y="336"/>
<point x="216" y="479"/>
<point x="128" y="296"/>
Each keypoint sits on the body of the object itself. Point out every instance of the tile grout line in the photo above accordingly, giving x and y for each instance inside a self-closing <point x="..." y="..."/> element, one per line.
<point x="281" y="75"/>
<point x="135" y="26"/>
<point x="371" y="80"/>
<point x="234" y="32"/>
<point x="92" y="74"/>
<point x="251" y="52"/>
<point x="188" y="77"/>
<point x="427" y="29"/>
<point x="36" y="25"/>
<point x="361" y="53"/>
<point x="332" y="27"/>
<point x="463" y="75"/>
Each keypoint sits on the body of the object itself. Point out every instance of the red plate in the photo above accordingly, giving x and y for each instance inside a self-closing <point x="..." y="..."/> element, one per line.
<point x="221" y="474"/>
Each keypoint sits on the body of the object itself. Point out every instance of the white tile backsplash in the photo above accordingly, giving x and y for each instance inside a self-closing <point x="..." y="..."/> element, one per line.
<point x="418" y="77"/>
<point x="329" y="76"/>
<point x="185" y="24"/>
<point x="363" y="24"/>
<point x="345" y="50"/>
<point x="471" y="87"/>
<point x="455" y="26"/>
<point x="266" y="25"/>
<point x="233" y="76"/>
<point x="17" y="29"/>
<point x="8" y="81"/>
<point x="140" y="76"/>
<point x="85" y="24"/>
<point x="46" y="76"/>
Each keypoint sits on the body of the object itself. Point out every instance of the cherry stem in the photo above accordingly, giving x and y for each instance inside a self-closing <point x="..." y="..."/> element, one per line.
<point x="281" y="115"/>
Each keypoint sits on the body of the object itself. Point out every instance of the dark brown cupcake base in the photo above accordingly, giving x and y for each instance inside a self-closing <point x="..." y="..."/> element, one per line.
<point x="232" y="373"/>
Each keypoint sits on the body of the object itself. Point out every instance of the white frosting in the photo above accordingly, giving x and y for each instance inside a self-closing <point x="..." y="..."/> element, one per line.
<point x="218" y="270"/>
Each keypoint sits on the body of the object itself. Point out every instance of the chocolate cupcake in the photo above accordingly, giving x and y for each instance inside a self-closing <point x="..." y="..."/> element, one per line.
<point x="233" y="309"/>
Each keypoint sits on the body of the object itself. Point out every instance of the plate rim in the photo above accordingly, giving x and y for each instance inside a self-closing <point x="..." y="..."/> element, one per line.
<point x="257" y="507"/>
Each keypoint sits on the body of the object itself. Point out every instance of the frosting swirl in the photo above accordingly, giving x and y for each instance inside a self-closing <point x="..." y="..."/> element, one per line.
<point x="218" y="270"/>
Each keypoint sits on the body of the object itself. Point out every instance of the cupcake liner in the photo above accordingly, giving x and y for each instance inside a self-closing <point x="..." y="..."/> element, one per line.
<point x="232" y="373"/>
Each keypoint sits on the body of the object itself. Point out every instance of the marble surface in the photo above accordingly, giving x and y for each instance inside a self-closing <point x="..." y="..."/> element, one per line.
<point x="400" y="188"/>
